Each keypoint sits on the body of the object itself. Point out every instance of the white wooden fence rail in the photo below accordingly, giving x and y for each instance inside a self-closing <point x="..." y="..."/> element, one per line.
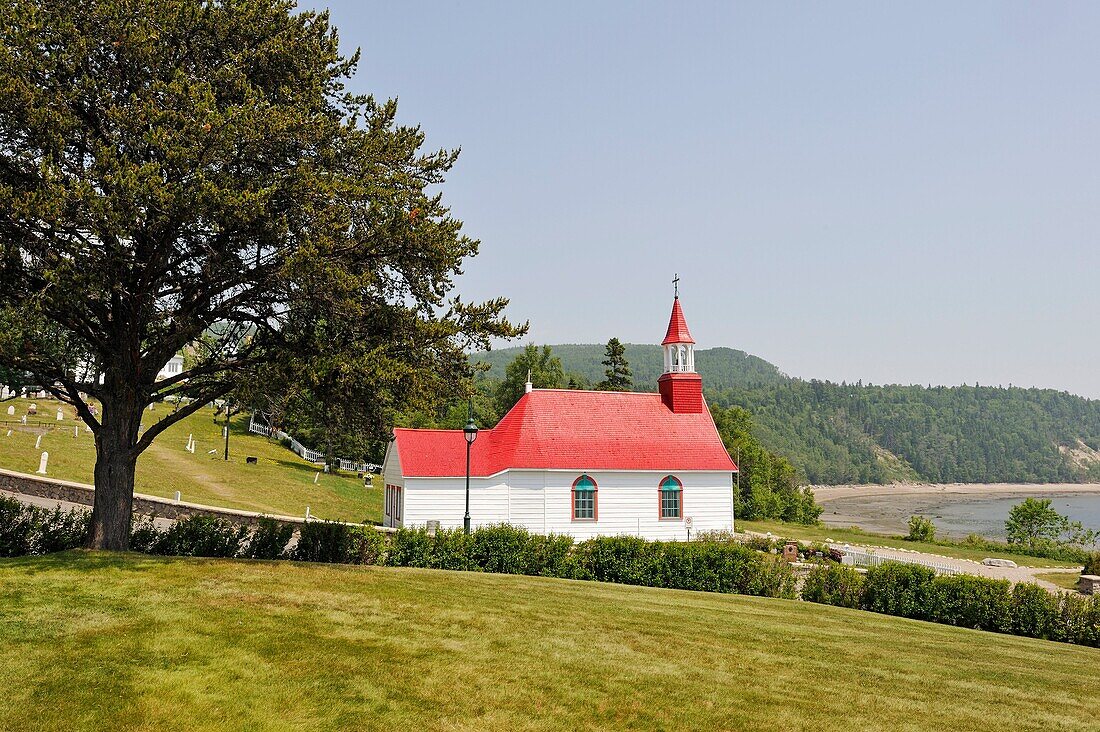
<point x="312" y="456"/>
<point x="858" y="558"/>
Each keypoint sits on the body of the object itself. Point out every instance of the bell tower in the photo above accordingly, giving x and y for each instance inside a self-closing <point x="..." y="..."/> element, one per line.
<point x="681" y="388"/>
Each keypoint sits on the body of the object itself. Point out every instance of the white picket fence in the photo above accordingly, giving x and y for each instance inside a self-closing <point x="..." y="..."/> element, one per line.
<point x="858" y="558"/>
<point x="312" y="456"/>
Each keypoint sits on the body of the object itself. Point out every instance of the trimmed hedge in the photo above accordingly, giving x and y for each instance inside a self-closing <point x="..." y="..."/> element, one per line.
<point x="834" y="584"/>
<point x="27" y="530"/>
<point x="970" y="602"/>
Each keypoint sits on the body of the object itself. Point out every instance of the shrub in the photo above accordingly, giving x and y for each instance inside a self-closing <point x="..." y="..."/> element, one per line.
<point x="268" y="540"/>
<point x="1079" y="620"/>
<point x="60" y="530"/>
<point x="325" y="541"/>
<point x="369" y="546"/>
<point x="898" y="589"/>
<point x="1092" y="563"/>
<point x="16" y="528"/>
<point x="921" y="529"/>
<point x="201" y="536"/>
<point x="706" y="566"/>
<point x="143" y="534"/>
<point x="32" y="530"/>
<point x="1034" y="611"/>
<point x="971" y="602"/>
<point x="833" y="584"/>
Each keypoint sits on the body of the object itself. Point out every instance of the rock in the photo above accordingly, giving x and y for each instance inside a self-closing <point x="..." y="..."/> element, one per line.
<point x="990" y="562"/>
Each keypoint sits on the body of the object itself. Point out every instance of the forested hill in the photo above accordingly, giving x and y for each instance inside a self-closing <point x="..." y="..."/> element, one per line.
<point x="719" y="367"/>
<point x="855" y="433"/>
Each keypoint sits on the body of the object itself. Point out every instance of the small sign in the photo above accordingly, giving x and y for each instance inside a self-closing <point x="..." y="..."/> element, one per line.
<point x="433" y="526"/>
<point x="687" y="522"/>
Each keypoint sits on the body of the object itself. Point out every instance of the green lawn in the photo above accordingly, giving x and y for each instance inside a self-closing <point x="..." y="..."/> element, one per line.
<point x="1065" y="580"/>
<point x="128" y="642"/>
<point x="279" y="483"/>
<point x="784" y="530"/>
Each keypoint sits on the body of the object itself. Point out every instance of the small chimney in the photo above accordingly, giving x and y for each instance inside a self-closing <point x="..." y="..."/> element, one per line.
<point x="527" y="387"/>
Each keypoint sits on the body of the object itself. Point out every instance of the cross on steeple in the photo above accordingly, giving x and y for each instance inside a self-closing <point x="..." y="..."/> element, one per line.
<point x="676" y="285"/>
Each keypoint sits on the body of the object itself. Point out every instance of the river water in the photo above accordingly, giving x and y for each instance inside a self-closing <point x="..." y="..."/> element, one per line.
<point x="986" y="516"/>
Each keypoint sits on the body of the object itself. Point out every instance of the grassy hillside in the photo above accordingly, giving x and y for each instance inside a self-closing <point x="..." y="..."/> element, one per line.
<point x="856" y="433"/>
<point x="90" y="642"/>
<point x="280" y="482"/>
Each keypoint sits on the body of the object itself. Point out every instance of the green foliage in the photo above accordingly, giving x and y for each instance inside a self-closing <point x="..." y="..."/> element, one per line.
<point x="921" y="529"/>
<point x="544" y="367"/>
<point x="719" y="367"/>
<point x="26" y="530"/>
<point x="336" y="542"/>
<point x="200" y="536"/>
<point x="898" y="589"/>
<point x="852" y="433"/>
<point x="833" y="584"/>
<point x="768" y="483"/>
<point x="707" y="566"/>
<point x="268" y="540"/>
<point x="1034" y="523"/>
<point x="198" y="175"/>
<point x="617" y="376"/>
<point x="1034" y="611"/>
<point x="1061" y="552"/>
<point x="971" y="602"/>
<point x="1078" y="620"/>
<point x="1092" y="563"/>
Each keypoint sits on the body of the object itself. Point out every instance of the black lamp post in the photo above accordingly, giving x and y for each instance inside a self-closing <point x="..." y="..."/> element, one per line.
<point x="470" y="433"/>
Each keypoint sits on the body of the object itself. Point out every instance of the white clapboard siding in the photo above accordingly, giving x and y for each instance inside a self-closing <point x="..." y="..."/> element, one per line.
<point x="541" y="501"/>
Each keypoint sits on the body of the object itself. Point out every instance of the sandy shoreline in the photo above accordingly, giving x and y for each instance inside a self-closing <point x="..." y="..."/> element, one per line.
<point x="825" y="493"/>
<point x="886" y="508"/>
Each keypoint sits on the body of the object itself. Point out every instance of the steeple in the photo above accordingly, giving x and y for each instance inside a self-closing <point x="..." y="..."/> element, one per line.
<point x="681" y="388"/>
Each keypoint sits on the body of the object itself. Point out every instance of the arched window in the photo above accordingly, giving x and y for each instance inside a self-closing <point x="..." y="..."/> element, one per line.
<point x="584" y="499"/>
<point x="671" y="497"/>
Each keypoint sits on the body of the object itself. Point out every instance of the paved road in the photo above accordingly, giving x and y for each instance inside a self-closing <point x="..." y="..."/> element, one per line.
<point x="966" y="566"/>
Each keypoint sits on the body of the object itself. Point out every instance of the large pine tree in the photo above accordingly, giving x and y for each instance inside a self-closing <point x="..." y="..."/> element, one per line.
<point x="176" y="173"/>
<point x="619" y="376"/>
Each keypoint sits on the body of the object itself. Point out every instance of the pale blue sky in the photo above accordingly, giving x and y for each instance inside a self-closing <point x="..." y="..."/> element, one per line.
<point x="898" y="193"/>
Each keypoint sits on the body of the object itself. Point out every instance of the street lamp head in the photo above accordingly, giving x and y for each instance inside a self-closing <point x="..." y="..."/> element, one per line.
<point x="470" y="431"/>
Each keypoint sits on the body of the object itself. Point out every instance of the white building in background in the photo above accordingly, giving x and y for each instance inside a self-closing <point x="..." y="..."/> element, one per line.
<point x="174" y="367"/>
<point x="584" y="463"/>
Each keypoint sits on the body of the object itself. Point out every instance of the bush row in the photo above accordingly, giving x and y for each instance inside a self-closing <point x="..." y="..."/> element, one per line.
<point x="911" y="591"/>
<point x="719" y="565"/>
<point x="31" y="530"/>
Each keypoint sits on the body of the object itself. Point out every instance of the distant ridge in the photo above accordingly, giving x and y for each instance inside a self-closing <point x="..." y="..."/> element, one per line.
<point x="856" y="433"/>
<point x="721" y="368"/>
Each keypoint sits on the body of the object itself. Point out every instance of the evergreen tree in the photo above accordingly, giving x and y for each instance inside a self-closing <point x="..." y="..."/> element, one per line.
<point x="619" y="377"/>
<point x="178" y="174"/>
<point x="544" y="368"/>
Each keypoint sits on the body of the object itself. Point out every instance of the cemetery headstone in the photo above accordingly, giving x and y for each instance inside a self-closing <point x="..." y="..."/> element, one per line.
<point x="11" y="411"/>
<point x="42" y="463"/>
<point x="60" y="414"/>
<point x="38" y="442"/>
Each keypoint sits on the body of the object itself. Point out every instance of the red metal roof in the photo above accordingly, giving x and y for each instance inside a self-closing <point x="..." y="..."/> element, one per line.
<point x="677" y="327"/>
<point x="572" y="430"/>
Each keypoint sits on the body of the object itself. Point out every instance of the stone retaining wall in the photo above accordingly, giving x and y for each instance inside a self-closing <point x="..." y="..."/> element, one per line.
<point x="79" y="493"/>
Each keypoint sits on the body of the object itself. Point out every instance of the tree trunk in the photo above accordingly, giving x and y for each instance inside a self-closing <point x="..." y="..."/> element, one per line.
<point x="115" y="466"/>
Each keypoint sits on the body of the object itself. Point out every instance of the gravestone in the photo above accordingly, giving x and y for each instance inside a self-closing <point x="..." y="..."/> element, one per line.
<point x="42" y="463"/>
<point x="32" y="409"/>
<point x="790" y="551"/>
<point x="60" y="414"/>
<point x="11" y="411"/>
<point x="38" y="442"/>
